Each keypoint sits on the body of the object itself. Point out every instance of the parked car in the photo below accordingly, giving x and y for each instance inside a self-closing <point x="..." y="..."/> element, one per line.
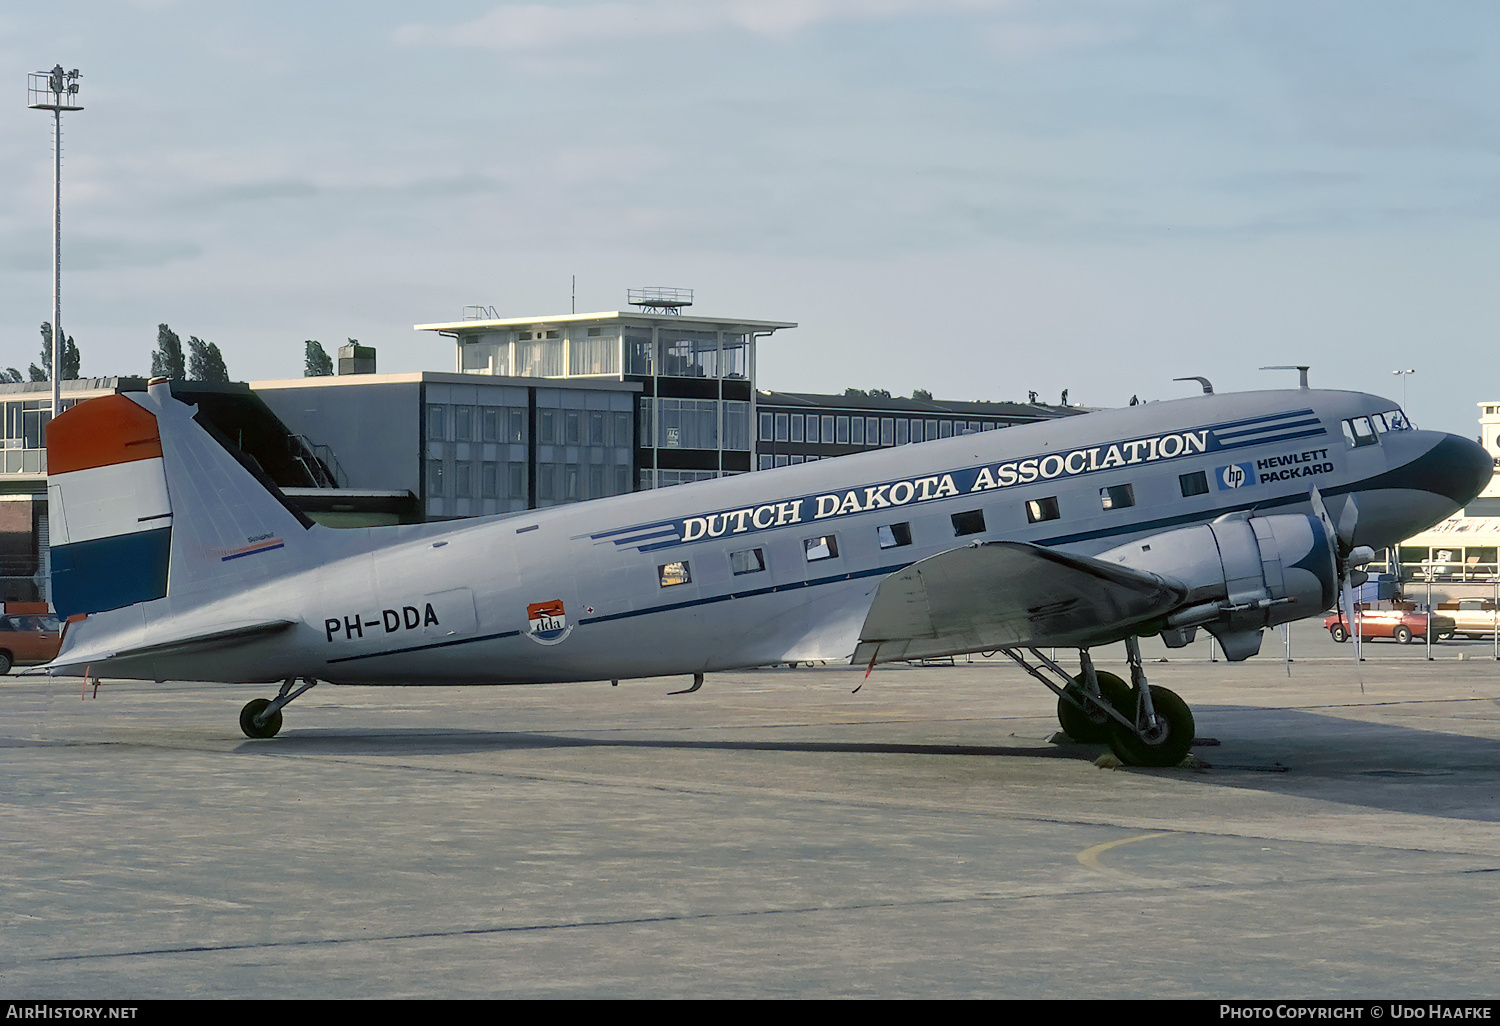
<point x="27" y="639"/>
<point x="1403" y="625"/>
<point x="1473" y="618"/>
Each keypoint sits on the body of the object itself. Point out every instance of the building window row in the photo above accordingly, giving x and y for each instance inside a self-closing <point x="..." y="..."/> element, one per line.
<point x="695" y="424"/>
<point x="870" y="431"/>
<point x="583" y="351"/>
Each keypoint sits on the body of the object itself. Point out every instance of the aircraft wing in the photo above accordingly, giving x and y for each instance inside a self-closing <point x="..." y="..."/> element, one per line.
<point x="1008" y="595"/>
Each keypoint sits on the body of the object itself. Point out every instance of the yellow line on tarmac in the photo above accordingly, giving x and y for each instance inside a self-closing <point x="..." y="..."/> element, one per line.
<point x="1089" y="857"/>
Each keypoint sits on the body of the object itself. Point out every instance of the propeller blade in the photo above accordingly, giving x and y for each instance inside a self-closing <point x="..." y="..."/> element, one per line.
<point x="1348" y="521"/>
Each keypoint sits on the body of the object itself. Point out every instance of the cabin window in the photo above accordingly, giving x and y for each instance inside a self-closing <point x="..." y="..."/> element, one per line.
<point x="1192" y="484"/>
<point x="747" y="561"/>
<point x="1358" y="432"/>
<point x="893" y="536"/>
<point x="673" y="574"/>
<point x="970" y="522"/>
<point x="1039" y="510"/>
<point x="823" y="547"/>
<point x="1117" y="496"/>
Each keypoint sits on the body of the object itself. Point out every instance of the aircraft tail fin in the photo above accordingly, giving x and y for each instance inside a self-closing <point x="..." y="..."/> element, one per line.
<point x="143" y="503"/>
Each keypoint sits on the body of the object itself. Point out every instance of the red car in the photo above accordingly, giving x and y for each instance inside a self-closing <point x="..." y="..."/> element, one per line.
<point x="1404" y="625"/>
<point x="27" y="639"/>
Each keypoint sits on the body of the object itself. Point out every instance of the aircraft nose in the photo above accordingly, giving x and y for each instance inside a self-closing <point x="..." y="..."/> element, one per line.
<point x="1467" y="467"/>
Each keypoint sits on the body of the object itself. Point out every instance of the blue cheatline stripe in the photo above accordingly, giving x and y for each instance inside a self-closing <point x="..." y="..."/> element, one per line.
<point x="252" y="552"/>
<point x="423" y="648"/>
<point x="107" y="573"/>
<point x="1266" y="419"/>
<point x="1267" y="429"/>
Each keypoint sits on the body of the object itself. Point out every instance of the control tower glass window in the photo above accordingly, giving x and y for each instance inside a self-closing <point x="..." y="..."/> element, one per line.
<point x="689" y="354"/>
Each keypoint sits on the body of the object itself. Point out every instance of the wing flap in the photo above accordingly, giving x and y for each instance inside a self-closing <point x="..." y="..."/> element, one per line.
<point x="1008" y="595"/>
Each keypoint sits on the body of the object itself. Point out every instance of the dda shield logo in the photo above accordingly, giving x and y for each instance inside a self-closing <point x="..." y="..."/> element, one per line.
<point x="549" y="622"/>
<point x="1236" y="475"/>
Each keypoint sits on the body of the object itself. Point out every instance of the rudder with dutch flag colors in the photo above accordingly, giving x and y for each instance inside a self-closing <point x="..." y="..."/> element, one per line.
<point x="109" y="513"/>
<point x="144" y="503"/>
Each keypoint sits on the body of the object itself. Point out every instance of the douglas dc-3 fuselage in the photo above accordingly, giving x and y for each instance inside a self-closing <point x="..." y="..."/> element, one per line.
<point x="1229" y="512"/>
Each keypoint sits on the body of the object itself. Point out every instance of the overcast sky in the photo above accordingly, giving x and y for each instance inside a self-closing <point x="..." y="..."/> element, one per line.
<point x="976" y="197"/>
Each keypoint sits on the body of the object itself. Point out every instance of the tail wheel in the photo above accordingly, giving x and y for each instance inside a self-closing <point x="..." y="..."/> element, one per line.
<point x="1166" y="743"/>
<point x="1092" y="727"/>
<point x="254" y="708"/>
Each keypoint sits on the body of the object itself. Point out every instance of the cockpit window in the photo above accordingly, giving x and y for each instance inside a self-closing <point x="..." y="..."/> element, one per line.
<point x="1360" y="432"/>
<point x="1392" y="420"/>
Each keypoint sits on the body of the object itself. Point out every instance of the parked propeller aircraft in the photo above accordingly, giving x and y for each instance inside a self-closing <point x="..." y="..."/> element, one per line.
<point x="173" y="557"/>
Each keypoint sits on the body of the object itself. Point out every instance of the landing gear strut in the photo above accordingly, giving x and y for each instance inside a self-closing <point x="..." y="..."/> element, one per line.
<point x="1144" y="725"/>
<point x="261" y="717"/>
<point x="1162" y="727"/>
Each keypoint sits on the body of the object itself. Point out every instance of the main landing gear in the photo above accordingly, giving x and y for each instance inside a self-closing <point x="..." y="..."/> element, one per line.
<point x="261" y="717"/>
<point x="1144" y="725"/>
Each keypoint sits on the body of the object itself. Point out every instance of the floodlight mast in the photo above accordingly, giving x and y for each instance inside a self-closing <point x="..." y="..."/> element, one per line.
<point x="57" y="91"/>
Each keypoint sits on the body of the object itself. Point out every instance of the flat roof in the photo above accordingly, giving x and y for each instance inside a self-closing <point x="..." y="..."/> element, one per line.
<point x="448" y="378"/>
<point x="906" y="404"/>
<point x="465" y="327"/>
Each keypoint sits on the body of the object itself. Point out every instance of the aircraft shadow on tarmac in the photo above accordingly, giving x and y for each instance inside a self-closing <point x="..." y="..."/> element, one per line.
<point x="1289" y="751"/>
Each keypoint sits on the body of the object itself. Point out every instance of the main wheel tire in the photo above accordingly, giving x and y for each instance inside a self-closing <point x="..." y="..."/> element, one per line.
<point x="253" y="708"/>
<point x="1091" y="728"/>
<point x="1168" y="744"/>
<point x="1402" y="634"/>
<point x="1339" y="633"/>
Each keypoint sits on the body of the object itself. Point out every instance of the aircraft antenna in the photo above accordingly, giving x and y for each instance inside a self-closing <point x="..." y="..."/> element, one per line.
<point x="1301" y="369"/>
<point x="1208" y="388"/>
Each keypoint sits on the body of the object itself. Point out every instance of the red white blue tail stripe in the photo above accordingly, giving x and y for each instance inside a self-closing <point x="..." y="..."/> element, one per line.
<point x="110" y="515"/>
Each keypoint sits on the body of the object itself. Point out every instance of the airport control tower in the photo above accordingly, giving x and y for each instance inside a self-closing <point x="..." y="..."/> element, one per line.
<point x="697" y="373"/>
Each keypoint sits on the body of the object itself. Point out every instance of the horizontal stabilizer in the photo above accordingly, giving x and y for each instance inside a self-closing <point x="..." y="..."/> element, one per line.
<point x="218" y="640"/>
<point x="1008" y="595"/>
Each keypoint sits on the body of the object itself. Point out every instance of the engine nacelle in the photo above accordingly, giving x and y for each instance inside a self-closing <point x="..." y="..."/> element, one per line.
<point x="1242" y="574"/>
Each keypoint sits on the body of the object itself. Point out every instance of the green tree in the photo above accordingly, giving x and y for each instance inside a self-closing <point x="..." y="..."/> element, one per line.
<point x="921" y="393"/>
<point x="10" y="376"/>
<point x="70" y="358"/>
<point x="316" y="362"/>
<point x="205" y="363"/>
<point x="167" y="361"/>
